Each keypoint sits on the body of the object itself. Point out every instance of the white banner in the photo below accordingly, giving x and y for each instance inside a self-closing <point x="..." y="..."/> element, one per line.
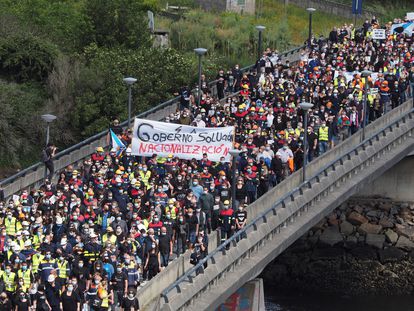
<point x="350" y="75"/>
<point x="183" y="141"/>
<point x="378" y="34"/>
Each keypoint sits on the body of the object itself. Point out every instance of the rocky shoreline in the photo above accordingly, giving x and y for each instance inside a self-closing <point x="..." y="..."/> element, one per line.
<point x="365" y="247"/>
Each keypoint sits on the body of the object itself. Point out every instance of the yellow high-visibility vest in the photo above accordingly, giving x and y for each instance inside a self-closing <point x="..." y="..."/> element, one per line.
<point x="323" y="134"/>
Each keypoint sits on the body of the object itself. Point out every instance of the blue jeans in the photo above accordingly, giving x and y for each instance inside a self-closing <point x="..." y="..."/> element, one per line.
<point x="192" y="237"/>
<point x="323" y="147"/>
<point x="164" y="259"/>
<point x="411" y="89"/>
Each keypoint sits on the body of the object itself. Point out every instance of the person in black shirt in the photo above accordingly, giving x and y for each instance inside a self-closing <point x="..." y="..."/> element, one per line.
<point x="221" y="81"/>
<point x="119" y="284"/>
<point x="240" y="217"/>
<point x="312" y="144"/>
<point x="130" y="302"/>
<point x="5" y="303"/>
<point x="165" y="247"/>
<point x="70" y="300"/>
<point x="192" y="222"/>
<point x="40" y="302"/>
<point x="47" y="158"/>
<point x="22" y="302"/>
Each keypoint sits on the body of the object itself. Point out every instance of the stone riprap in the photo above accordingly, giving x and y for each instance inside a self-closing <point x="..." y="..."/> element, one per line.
<point x="365" y="247"/>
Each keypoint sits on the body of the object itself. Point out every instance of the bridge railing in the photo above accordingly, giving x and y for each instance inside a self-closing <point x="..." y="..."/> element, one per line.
<point x="291" y="188"/>
<point x="33" y="176"/>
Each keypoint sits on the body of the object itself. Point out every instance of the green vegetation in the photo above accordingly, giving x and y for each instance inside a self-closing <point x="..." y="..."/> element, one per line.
<point x="234" y="37"/>
<point x="389" y="9"/>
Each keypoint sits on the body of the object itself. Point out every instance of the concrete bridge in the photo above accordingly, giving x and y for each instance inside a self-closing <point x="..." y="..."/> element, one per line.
<point x="288" y="211"/>
<point x="276" y="220"/>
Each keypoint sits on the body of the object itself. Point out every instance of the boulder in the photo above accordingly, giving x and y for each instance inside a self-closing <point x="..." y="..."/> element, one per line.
<point x="328" y="253"/>
<point x="368" y="228"/>
<point x="391" y="254"/>
<point x="375" y="240"/>
<point x="385" y="206"/>
<point x="404" y="243"/>
<point x="391" y="236"/>
<point x="373" y="214"/>
<point x="386" y="222"/>
<point x="406" y="231"/>
<point x="331" y="236"/>
<point x="365" y="253"/>
<point x="356" y="219"/>
<point x="346" y="228"/>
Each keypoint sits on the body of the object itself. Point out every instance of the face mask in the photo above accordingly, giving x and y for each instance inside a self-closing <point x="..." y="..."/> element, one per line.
<point x="70" y="288"/>
<point x="48" y="256"/>
<point x="24" y="268"/>
<point x="190" y="214"/>
<point x="96" y="282"/>
<point x="80" y="265"/>
<point x="8" y="271"/>
<point x="119" y="270"/>
<point x="153" y="245"/>
<point x="163" y="233"/>
<point x="226" y="207"/>
<point x="131" y="295"/>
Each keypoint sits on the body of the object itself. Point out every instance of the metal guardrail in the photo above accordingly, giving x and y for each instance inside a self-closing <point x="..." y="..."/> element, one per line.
<point x="280" y="203"/>
<point x="212" y="85"/>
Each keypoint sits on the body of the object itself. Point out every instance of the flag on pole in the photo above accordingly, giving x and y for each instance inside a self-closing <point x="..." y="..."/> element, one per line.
<point x="403" y="27"/>
<point x="117" y="145"/>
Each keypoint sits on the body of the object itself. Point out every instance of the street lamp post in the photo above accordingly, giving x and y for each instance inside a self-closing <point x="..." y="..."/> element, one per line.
<point x="234" y="153"/>
<point x="48" y="118"/>
<point x="365" y="74"/>
<point x="200" y="52"/>
<point x="310" y="10"/>
<point x="259" y="45"/>
<point x="129" y="81"/>
<point x="305" y="107"/>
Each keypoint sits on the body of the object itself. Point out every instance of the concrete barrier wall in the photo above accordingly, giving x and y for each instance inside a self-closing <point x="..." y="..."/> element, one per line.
<point x="397" y="183"/>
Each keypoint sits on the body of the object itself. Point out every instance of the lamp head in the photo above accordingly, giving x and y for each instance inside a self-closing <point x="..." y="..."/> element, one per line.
<point x="130" y="80"/>
<point x="200" y="51"/>
<point x="311" y="10"/>
<point x="260" y="28"/>
<point x="234" y="152"/>
<point x="306" y="106"/>
<point x="48" y="117"/>
<point x="366" y="73"/>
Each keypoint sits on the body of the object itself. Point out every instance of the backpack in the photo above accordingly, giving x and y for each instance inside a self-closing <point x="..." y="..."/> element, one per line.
<point x="45" y="156"/>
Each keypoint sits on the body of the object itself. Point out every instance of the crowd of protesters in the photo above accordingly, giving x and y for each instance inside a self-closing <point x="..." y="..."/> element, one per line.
<point x="90" y="238"/>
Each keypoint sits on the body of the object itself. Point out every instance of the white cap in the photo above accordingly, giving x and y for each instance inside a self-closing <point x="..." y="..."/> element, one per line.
<point x="128" y="150"/>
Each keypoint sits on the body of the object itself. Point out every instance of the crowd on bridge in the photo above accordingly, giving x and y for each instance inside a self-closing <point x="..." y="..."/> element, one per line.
<point x="89" y="237"/>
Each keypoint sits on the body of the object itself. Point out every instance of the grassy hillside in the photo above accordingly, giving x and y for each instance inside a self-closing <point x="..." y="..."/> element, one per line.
<point x="232" y="38"/>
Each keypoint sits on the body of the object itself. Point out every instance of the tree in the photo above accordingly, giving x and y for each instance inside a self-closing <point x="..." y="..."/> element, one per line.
<point x="25" y="57"/>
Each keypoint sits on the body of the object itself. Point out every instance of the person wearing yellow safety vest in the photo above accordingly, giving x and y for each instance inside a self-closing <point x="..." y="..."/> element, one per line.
<point x="109" y="237"/>
<point x="63" y="266"/>
<point x="145" y="175"/>
<point x="9" y="279"/>
<point x="323" y="138"/>
<point x="12" y="225"/>
<point x="37" y="258"/>
<point x="26" y="275"/>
